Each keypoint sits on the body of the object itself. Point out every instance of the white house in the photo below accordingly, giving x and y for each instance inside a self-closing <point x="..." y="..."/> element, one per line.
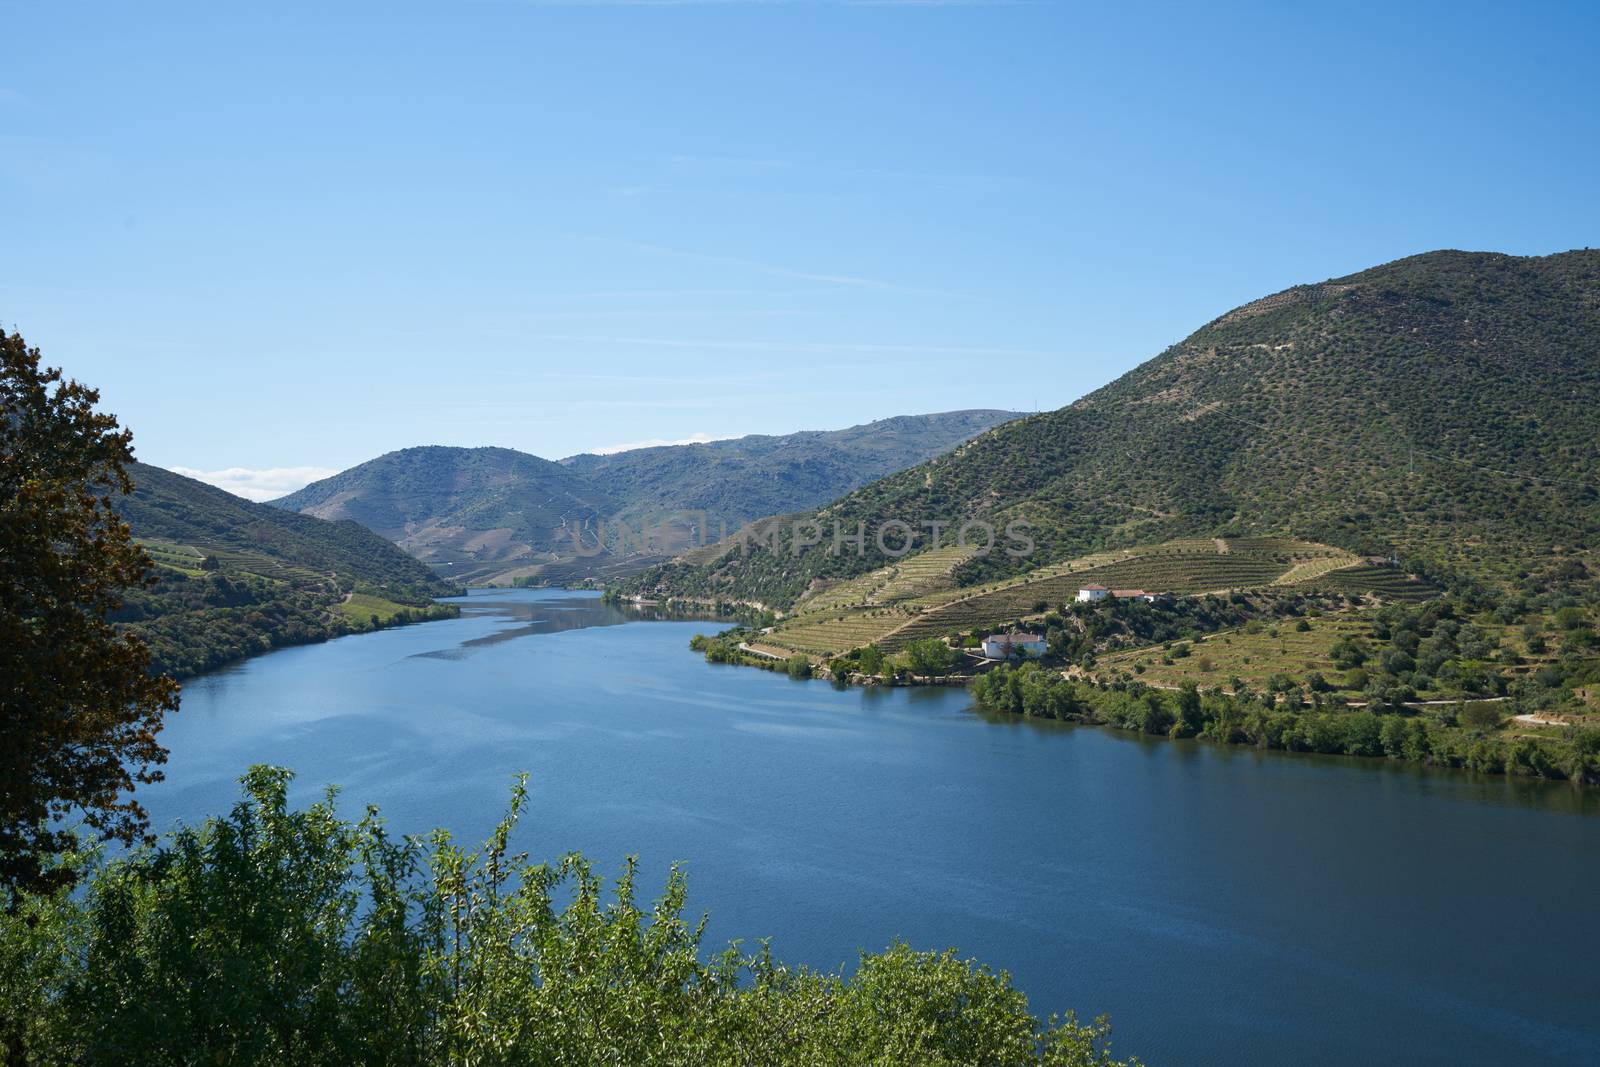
<point x="1004" y="646"/>
<point x="1090" y="593"/>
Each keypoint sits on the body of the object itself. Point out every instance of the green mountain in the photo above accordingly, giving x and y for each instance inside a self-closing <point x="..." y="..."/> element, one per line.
<point x="496" y="512"/>
<point x="235" y="578"/>
<point x="1441" y="408"/>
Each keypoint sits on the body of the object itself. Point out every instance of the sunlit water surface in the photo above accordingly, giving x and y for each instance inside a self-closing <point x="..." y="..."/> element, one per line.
<point x="1222" y="905"/>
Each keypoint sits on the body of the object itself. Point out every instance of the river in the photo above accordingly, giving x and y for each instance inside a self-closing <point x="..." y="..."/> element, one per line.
<point x="1223" y="905"/>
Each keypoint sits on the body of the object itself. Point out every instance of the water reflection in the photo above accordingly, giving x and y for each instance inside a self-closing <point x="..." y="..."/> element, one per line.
<point x="1533" y="793"/>
<point x="554" y="613"/>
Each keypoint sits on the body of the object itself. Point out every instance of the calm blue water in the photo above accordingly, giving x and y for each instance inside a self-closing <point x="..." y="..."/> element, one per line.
<point x="1224" y="906"/>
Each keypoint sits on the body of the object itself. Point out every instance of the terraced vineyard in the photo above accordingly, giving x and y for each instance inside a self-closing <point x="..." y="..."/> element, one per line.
<point x="188" y="558"/>
<point x="884" y="607"/>
<point x="918" y="576"/>
<point x="242" y="559"/>
<point x="922" y="575"/>
<point x="846" y="595"/>
<point x="173" y="556"/>
<point x="828" y="635"/>
<point x="1387" y="582"/>
<point x="1312" y="569"/>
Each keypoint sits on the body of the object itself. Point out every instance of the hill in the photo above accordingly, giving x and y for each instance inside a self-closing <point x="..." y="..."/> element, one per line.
<point x="236" y="578"/>
<point x="1440" y="408"/>
<point x="473" y="510"/>
<point x="496" y="512"/>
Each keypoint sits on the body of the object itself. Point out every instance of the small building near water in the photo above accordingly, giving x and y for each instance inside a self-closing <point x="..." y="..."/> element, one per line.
<point x="1004" y="646"/>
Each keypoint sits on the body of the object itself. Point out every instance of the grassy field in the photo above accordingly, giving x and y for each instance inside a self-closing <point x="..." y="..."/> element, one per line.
<point x="362" y="606"/>
<point x="1261" y="650"/>
<point x="1253" y="654"/>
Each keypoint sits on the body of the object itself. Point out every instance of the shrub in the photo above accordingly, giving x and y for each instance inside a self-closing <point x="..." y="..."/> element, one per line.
<point x="929" y="656"/>
<point x="273" y="936"/>
<point x="1480" y="715"/>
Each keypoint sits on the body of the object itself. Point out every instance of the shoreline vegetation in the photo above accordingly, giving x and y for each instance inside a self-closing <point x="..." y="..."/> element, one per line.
<point x="1462" y="736"/>
<point x="194" y="624"/>
<point x="1472" y="681"/>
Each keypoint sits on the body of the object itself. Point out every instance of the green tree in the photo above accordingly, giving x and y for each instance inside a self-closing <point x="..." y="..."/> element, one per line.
<point x="871" y="659"/>
<point x="79" y="709"/>
<point x="1191" y="712"/>
<point x="1480" y="715"/>
<point x="930" y="655"/>
<point x="273" y="935"/>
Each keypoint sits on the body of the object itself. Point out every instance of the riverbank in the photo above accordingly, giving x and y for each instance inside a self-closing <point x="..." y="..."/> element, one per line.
<point x="194" y="635"/>
<point x="1464" y="736"/>
<point x="1433" y="734"/>
<point x="1443" y="683"/>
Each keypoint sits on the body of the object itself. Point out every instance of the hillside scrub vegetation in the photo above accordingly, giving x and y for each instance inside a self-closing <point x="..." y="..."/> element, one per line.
<point x="234" y="578"/>
<point x="197" y="623"/>
<point x="1438" y="409"/>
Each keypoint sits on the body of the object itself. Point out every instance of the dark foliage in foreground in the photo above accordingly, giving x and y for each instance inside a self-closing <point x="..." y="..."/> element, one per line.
<point x="276" y="936"/>
<point x="78" y="709"/>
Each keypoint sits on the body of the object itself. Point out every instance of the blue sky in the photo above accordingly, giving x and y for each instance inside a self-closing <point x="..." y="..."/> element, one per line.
<point x="292" y="238"/>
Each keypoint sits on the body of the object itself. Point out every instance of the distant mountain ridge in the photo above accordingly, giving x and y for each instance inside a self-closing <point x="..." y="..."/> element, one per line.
<point x="1444" y="408"/>
<point x="481" y="512"/>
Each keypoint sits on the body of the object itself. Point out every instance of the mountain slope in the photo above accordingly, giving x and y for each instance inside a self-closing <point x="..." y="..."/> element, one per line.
<point x="461" y="506"/>
<point x="1442" y="407"/>
<point x="235" y="578"/>
<point x="487" y="511"/>
<point x="747" y="477"/>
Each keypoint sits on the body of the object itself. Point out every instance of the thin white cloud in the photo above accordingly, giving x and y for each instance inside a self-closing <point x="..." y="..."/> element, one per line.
<point x="657" y="442"/>
<point x="259" y="485"/>
<point x="801" y="346"/>
<point x="848" y="281"/>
